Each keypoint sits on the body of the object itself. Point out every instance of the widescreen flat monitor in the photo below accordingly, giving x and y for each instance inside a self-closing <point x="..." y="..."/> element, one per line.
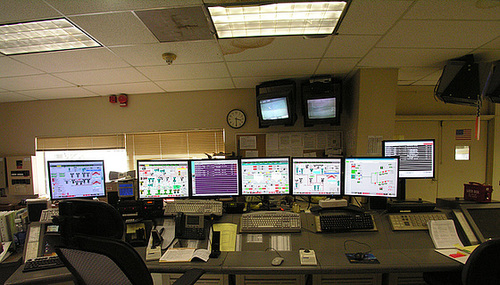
<point x="215" y="178"/>
<point x="163" y="178"/>
<point x="484" y="219"/>
<point x="76" y="179"/>
<point x="265" y="176"/>
<point x="371" y="177"/>
<point x="416" y="157"/>
<point x="316" y="176"/>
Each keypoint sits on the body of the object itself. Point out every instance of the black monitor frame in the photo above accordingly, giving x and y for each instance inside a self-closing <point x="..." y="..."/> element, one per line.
<point x="319" y="90"/>
<point x="52" y="196"/>
<point x="213" y="195"/>
<point x="318" y="159"/>
<point x="275" y="90"/>
<point x="139" y="161"/>
<point x="475" y="224"/>
<point x="243" y="160"/>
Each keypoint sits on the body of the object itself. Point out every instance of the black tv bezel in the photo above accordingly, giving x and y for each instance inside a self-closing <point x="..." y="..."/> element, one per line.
<point x="263" y="158"/>
<point x="76" y="161"/>
<point x="398" y="190"/>
<point x="215" y="196"/>
<point x="161" y="160"/>
<point x="415" y="140"/>
<point x="289" y="94"/>
<point x="317" y="158"/>
<point x="306" y="96"/>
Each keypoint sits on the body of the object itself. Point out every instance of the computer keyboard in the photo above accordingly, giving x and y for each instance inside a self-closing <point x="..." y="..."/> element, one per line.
<point x="270" y="221"/>
<point x="200" y="207"/>
<point x="47" y="214"/>
<point x="345" y="221"/>
<point x="41" y="263"/>
<point x="414" y="221"/>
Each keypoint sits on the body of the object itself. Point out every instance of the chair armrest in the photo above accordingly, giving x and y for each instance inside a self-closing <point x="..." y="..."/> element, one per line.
<point x="190" y="277"/>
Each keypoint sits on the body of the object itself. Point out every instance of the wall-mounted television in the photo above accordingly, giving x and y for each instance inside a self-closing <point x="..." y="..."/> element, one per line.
<point x="276" y="103"/>
<point x="321" y="102"/>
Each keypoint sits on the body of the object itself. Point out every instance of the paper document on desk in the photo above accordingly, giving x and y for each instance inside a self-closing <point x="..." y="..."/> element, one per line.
<point x="227" y="235"/>
<point x="185" y="254"/>
<point x="443" y="233"/>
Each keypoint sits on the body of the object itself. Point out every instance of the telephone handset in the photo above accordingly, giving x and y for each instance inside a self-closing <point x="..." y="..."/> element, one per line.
<point x="189" y="226"/>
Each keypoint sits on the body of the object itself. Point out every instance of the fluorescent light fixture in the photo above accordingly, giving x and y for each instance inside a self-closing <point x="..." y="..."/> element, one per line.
<point x="277" y="19"/>
<point x="42" y="36"/>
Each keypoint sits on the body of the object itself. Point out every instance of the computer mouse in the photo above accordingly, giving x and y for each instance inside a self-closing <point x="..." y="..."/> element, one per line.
<point x="277" y="261"/>
<point x="359" y="256"/>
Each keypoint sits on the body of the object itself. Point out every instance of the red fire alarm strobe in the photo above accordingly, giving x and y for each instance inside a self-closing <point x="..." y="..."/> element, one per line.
<point x="123" y="99"/>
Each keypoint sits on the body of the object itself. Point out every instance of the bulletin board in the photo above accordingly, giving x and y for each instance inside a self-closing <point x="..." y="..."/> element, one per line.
<point x="293" y="144"/>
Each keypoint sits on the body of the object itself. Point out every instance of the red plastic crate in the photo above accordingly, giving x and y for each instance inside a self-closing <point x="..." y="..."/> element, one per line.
<point x="477" y="192"/>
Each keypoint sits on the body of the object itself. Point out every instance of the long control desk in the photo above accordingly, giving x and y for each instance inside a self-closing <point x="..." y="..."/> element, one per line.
<point x="397" y="252"/>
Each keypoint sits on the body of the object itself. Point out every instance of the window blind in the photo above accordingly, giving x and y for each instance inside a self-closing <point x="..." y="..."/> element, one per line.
<point x="81" y="142"/>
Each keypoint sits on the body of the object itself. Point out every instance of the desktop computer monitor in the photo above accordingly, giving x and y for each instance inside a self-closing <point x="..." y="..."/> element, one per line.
<point x="416" y="157"/>
<point x="316" y="176"/>
<point x="371" y="176"/>
<point x="265" y="176"/>
<point x="215" y="178"/>
<point x="76" y="179"/>
<point x="163" y="178"/>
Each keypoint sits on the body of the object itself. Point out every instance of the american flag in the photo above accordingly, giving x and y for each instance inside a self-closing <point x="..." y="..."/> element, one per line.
<point x="463" y="135"/>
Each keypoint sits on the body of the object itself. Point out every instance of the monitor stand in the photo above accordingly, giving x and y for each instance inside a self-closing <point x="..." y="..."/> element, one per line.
<point x="402" y="205"/>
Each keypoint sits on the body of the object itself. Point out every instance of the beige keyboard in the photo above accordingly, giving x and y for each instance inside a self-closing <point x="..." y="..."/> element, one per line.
<point x="414" y="221"/>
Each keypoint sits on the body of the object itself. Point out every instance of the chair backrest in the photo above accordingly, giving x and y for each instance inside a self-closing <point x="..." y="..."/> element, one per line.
<point x="92" y="246"/>
<point x="483" y="265"/>
<point x="96" y="260"/>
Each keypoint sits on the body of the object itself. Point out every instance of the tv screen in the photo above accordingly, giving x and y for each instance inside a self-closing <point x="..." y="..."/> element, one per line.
<point x="163" y="179"/>
<point x="316" y="176"/>
<point x="371" y="177"/>
<point x="76" y="179"/>
<point x="126" y="189"/>
<point x="274" y="109"/>
<point x="265" y="176"/>
<point x="416" y="157"/>
<point x="215" y="178"/>
<point x="321" y="108"/>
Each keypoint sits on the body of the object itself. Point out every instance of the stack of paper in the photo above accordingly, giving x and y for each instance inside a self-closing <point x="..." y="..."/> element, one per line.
<point x="445" y="238"/>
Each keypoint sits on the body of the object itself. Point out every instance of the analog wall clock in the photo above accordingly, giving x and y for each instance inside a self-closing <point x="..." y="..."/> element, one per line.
<point x="236" y="118"/>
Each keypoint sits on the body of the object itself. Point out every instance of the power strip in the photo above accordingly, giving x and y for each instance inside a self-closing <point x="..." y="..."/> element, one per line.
<point x="332" y="203"/>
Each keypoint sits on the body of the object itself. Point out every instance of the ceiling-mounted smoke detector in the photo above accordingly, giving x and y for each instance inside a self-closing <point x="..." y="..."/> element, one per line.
<point x="169" y="57"/>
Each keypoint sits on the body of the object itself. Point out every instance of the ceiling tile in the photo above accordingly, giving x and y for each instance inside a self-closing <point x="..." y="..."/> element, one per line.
<point x="92" y="6"/>
<point x="274" y="48"/>
<point x="415" y="73"/>
<point x="198" y="84"/>
<point x="453" y="10"/>
<point x="188" y="71"/>
<point x="32" y="82"/>
<point x="351" y="46"/>
<point x="372" y="17"/>
<point x="103" y="76"/>
<point x="440" y="34"/>
<point x="187" y="52"/>
<point x="14" y="11"/>
<point x="73" y="60"/>
<point x="398" y="57"/>
<point x="127" y="88"/>
<point x="337" y="66"/>
<point x="279" y="68"/>
<point x="58" y="93"/>
<point x="13" y="97"/>
<point x="10" y="67"/>
<point x="115" y="28"/>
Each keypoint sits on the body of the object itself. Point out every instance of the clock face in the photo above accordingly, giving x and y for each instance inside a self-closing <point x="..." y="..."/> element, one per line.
<point x="236" y="118"/>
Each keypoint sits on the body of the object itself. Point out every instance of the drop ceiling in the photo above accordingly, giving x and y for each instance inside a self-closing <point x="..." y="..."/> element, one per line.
<point x="417" y="37"/>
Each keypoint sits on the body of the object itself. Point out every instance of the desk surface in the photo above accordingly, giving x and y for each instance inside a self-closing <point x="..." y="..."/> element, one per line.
<point x="397" y="251"/>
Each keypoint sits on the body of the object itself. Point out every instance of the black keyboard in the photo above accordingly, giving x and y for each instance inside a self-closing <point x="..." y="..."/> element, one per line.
<point x="345" y="221"/>
<point x="41" y="263"/>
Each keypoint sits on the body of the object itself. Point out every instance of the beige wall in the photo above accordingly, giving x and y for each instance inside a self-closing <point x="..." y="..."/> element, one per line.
<point x="23" y="121"/>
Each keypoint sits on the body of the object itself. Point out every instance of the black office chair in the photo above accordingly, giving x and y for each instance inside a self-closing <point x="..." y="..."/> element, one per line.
<point x="92" y="247"/>
<point x="483" y="265"/>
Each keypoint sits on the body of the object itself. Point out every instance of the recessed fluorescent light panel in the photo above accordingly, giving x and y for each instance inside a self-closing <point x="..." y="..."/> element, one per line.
<point x="43" y="36"/>
<point x="277" y="19"/>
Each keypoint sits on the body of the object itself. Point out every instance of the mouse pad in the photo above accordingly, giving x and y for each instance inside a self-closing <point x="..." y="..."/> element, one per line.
<point x="369" y="258"/>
